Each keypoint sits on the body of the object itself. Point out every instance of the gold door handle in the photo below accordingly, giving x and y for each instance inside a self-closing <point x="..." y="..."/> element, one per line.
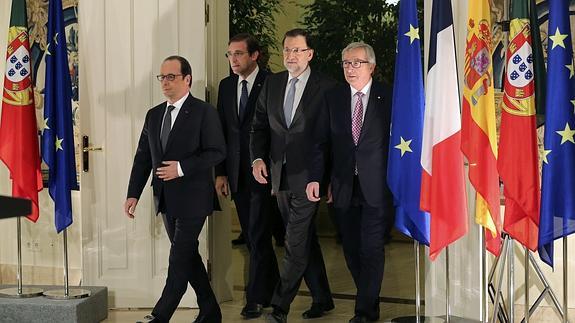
<point x="87" y="149"/>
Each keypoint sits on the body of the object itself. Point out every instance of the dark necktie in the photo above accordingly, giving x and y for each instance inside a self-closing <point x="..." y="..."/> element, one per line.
<point x="166" y="126"/>
<point x="243" y="101"/>
<point x="289" y="102"/>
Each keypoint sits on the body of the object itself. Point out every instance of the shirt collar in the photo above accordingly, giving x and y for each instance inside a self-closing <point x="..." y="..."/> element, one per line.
<point x="365" y="89"/>
<point x="251" y="78"/>
<point x="178" y="104"/>
<point x="302" y="78"/>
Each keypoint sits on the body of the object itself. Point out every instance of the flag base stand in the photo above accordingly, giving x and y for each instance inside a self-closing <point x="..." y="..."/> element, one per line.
<point x="66" y="293"/>
<point x="413" y="319"/>
<point x="19" y="291"/>
<point x="23" y="292"/>
<point x="62" y="294"/>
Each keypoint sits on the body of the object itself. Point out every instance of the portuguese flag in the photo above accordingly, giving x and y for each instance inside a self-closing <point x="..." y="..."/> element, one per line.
<point x="18" y="131"/>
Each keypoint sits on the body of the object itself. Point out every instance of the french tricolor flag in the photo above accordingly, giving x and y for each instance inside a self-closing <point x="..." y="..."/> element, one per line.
<point x="443" y="181"/>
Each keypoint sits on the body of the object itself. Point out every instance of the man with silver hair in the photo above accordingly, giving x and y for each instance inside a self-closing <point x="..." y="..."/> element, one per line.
<point x="353" y="132"/>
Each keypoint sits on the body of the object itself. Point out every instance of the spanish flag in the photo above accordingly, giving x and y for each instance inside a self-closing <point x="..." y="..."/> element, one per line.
<point x="478" y="126"/>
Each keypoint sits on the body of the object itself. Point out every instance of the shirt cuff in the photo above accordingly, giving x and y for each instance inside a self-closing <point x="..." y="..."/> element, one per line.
<point x="180" y="171"/>
<point x="255" y="160"/>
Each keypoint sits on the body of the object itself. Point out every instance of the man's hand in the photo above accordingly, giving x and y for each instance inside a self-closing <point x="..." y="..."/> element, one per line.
<point x="169" y="171"/>
<point x="260" y="171"/>
<point x="130" y="207"/>
<point x="329" y="196"/>
<point x="312" y="191"/>
<point x="222" y="186"/>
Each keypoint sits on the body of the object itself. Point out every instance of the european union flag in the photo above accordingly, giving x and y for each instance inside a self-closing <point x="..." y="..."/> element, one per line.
<point x="58" y="136"/>
<point x="557" y="195"/>
<point x="404" y="166"/>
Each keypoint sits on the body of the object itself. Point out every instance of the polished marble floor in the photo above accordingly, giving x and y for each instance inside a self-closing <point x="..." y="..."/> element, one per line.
<point x="397" y="293"/>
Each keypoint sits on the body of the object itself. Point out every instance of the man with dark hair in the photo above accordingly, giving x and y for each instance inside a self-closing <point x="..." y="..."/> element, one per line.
<point x="355" y="129"/>
<point x="286" y="113"/>
<point x="181" y="142"/>
<point x="237" y="96"/>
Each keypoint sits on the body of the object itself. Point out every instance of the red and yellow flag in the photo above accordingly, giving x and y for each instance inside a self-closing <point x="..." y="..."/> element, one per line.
<point x="518" y="153"/>
<point x="478" y="125"/>
<point x="18" y="130"/>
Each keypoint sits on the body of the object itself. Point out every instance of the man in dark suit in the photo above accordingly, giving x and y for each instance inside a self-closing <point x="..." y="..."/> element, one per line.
<point x="237" y="98"/>
<point x="355" y="128"/>
<point x="286" y="112"/>
<point x="181" y="142"/>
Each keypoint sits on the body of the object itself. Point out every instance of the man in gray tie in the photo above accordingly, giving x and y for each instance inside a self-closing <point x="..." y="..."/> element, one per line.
<point x="282" y="131"/>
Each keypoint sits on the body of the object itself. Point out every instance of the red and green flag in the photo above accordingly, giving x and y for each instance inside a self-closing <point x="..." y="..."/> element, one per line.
<point x="18" y="130"/>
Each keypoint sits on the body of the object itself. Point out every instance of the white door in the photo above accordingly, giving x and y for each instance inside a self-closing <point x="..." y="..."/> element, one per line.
<point x="122" y="44"/>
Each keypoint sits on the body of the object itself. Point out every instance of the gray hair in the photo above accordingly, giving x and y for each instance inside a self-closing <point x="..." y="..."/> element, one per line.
<point x="368" y="50"/>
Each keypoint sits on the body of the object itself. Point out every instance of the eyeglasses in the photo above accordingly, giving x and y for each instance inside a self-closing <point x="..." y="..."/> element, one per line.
<point x="354" y="64"/>
<point x="169" y="77"/>
<point x="295" y="50"/>
<point x="235" y="54"/>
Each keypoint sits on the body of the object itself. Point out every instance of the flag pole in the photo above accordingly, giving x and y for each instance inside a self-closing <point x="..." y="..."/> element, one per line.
<point x="19" y="291"/>
<point x="484" y="278"/>
<point x="565" y="285"/>
<point x="447" y="308"/>
<point x="526" y="285"/>
<point x="66" y="293"/>
<point x="500" y="283"/>
<point x="419" y="318"/>
<point x="510" y="281"/>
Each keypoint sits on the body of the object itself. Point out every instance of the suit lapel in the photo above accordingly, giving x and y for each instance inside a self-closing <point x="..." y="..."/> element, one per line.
<point x="374" y="103"/>
<point x="345" y="113"/>
<point x="311" y="88"/>
<point x="256" y="88"/>
<point x="234" y="106"/>
<point x="183" y="115"/>
<point x="280" y="98"/>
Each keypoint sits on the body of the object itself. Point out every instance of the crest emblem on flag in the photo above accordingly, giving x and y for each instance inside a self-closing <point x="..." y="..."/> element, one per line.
<point x="478" y="61"/>
<point x="18" y="71"/>
<point x="520" y="85"/>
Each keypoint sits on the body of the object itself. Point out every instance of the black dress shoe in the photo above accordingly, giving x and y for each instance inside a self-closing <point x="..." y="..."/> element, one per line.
<point x="252" y="311"/>
<point x="208" y="319"/>
<point x="277" y="317"/>
<point x="149" y="319"/>
<point x="317" y="310"/>
<point x="359" y="319"/>
<point x="239" y="240"/>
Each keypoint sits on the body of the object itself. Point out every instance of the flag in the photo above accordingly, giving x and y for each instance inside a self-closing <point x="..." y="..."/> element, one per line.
<point x="443" y="183"/>
<point x="404" y="168"/>
<point x="557" y="194"/>
<point x="58" y="137"/>
<point x="538" y="63"/>
<point x="479" y="128"/>
<point x="18" y="129"/>
<point x="517" y="162"/>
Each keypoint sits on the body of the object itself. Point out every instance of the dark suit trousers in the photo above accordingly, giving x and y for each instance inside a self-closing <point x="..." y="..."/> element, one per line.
<point x="253" y="204"/>
<point x="303" y="257"/>
<point x="185" y="265"/>
<point x="363" y="229"/>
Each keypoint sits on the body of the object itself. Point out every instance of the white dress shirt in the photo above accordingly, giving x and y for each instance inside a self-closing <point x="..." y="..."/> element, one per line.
<point x="174" y="114"/>
<point x="299" y="87"/>
<point x="251" y="79"/>
<point x="364" y="99"/>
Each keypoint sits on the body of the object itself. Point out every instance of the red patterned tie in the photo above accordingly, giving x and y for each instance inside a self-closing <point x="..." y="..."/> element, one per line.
<point x="356" y="117"/>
